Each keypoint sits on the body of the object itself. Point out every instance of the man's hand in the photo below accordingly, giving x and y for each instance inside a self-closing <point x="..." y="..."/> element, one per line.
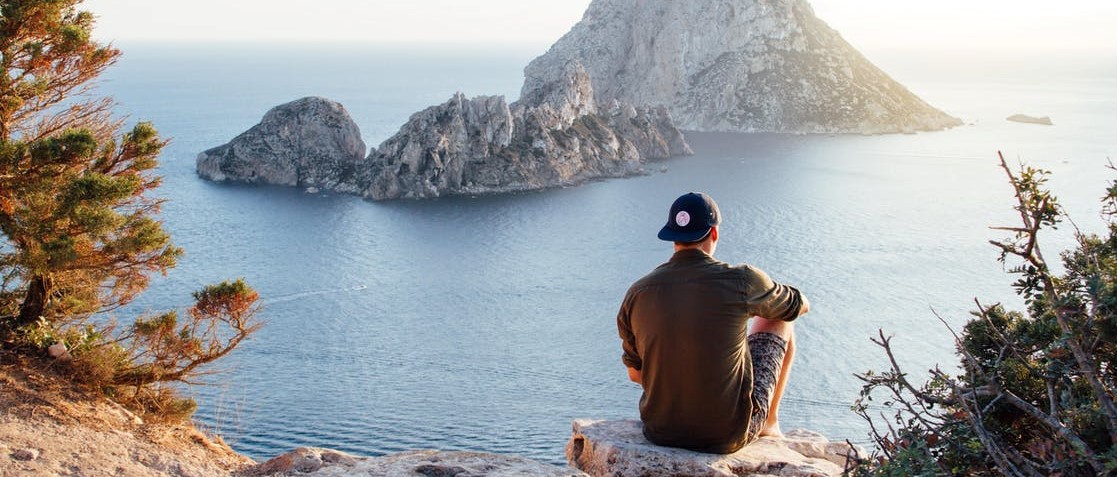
<point x="634" y="375"/>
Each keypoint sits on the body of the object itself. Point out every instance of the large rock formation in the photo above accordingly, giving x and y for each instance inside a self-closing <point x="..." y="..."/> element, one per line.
<point x="310" y="142"/>
<point x="313" y="462"/>
<point x="734" y="65"/>
<point x="604" y="100"/>
<point x="555" y="135"/>
<point x="618" y="448"/>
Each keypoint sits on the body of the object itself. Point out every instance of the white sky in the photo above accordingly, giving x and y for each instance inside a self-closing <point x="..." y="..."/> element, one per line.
<point x="867" y="24"/>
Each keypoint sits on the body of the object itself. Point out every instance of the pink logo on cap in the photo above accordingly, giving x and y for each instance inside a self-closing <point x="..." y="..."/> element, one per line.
<point x="682" y="218"/>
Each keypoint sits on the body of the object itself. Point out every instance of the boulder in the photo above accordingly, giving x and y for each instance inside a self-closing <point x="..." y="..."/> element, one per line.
<point x="618" y="448"/>
<point x="25" y="454"/>
<point x="312" y="462"/>
<point x="58" y="351"/>
<point x="734" y="65"/>
<point x="302" y="460"/>
<point x="310" y="142"/>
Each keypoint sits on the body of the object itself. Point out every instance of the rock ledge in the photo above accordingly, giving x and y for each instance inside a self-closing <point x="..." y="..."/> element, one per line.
<point x="618" y="448"/>
<point x="315" y="462"/>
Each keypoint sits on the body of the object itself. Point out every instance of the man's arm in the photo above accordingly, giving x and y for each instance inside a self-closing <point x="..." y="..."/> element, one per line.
<point x="772" y="300"/>
<point x="634" y="375"/>
<point x="629" y="356"/>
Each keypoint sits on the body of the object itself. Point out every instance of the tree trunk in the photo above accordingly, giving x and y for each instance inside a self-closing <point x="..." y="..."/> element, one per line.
<point x="38" y="292"/>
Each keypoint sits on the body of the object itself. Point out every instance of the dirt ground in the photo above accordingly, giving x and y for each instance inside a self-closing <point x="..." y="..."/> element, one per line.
<point x="47" y="428"/>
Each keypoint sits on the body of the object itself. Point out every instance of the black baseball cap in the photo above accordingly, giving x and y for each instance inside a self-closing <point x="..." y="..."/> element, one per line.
<point x="691" y="218"/>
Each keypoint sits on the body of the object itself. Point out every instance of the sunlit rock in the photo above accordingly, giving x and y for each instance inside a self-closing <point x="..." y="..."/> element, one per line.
<point x="734" y="65"/>
<point x="618" y="448"/>
<point x="311" y="142"/>
<point x="556" y="135"/>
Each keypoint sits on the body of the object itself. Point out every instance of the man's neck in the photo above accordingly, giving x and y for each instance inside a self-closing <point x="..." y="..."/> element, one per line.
<point x="706" y="246"/>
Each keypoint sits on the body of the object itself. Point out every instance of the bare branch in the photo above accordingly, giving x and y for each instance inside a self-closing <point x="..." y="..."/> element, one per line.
<point x="1076" y="442"/>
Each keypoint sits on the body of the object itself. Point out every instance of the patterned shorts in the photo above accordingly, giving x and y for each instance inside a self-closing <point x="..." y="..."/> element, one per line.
<point x="767" y="352"/>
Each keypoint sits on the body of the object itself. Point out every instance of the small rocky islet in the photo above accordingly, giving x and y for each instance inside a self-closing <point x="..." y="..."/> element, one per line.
<point x="1027" y="119"/>
<point x="609" y="97"/>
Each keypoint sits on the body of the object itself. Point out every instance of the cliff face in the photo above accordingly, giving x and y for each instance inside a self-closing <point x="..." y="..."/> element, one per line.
<point x="310" y="142"/>
<point x="734" y="65"/>
<point x="555" y="135"/>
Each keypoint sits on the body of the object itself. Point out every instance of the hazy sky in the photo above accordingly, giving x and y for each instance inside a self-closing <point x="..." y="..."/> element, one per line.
<point x="868" y="24"/>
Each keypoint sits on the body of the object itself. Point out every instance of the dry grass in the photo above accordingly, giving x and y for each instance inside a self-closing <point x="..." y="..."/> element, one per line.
<point x="73" y="427"/>
<point x="33" y="389"/>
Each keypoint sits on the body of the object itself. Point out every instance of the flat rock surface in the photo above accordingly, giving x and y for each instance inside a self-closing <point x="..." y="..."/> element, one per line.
<point x="618" y="448"/>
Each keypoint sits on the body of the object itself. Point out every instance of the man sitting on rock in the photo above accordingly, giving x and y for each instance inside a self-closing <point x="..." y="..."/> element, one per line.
<point x="710" y="383"/>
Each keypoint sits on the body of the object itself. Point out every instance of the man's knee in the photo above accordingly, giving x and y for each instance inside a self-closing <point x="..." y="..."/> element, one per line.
<point x="783" y="329"/>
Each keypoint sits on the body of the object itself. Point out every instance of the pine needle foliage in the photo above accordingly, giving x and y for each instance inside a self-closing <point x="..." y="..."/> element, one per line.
<point x="81" y="235"/>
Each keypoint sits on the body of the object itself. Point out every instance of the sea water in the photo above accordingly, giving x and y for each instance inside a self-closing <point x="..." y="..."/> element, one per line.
<point x="488" y="323"/>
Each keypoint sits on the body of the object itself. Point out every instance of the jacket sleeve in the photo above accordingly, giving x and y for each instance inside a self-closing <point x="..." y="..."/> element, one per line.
<point x="771" y="300"/>
<point x="629" y="356"/>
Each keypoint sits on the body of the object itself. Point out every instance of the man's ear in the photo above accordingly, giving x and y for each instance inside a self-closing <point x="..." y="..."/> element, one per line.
<point x="714" y="233"/>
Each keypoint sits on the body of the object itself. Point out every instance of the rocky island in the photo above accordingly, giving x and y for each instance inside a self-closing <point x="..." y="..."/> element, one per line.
<point x="736" y="66"/>
<point x="555" y="135"/>
<point x="1024" y="118"/>
<point x="608" y="97"/>
<point x="310" y="142"/>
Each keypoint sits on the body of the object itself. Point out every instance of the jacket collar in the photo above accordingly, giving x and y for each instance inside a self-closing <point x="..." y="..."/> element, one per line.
<point x="690" y="254"/>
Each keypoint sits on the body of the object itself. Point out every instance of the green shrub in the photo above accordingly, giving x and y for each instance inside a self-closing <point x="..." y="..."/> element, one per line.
<point x="1035" y="391"/>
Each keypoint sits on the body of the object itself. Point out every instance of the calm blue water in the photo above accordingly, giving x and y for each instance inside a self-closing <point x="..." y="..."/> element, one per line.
<point x="488" y="323"/>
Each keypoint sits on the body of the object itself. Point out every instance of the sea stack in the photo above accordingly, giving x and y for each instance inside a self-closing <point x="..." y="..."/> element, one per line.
<point x="310" y="142"/>
<point x="735" y="66"/>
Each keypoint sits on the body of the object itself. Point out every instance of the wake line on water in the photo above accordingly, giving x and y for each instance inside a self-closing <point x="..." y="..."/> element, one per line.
<point x="301" y="295"/>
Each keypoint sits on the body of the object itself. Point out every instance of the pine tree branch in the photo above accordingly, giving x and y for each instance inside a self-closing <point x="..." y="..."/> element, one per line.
<point x="1055" y="425"/>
